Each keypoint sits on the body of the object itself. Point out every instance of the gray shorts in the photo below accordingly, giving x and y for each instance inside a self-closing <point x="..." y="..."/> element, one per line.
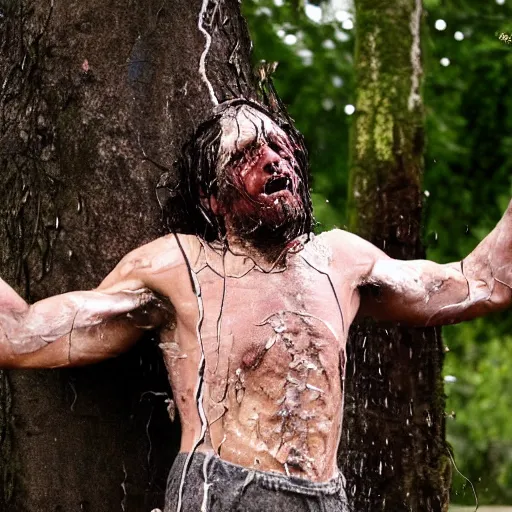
<point x="214" y="485"/>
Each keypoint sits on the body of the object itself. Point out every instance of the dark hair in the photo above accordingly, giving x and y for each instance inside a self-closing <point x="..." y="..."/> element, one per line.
<point x="197" y="175"/>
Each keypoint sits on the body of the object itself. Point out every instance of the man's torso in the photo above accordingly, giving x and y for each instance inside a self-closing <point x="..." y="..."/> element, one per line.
<point x="274" y="345"/>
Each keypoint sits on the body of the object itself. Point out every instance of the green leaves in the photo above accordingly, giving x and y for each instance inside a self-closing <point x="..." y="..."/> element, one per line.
<point x="314" y="79"/>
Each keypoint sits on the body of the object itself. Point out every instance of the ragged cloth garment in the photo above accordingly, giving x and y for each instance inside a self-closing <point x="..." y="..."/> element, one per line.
<point x="233" y="488"/>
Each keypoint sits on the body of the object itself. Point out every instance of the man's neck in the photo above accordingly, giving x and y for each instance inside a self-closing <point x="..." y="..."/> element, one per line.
<point x="268" y="257"/>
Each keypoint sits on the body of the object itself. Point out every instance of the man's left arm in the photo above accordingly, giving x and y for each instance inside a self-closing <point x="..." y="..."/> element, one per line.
<point x="422" y="292"/>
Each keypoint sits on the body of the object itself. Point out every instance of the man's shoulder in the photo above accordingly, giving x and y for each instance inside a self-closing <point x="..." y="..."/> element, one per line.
<point x="340" y="239"/>
<point x="163" y="253"/>
<point x="350" y="251"/>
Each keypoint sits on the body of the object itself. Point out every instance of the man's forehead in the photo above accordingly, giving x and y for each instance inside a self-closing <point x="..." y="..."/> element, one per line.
<point x="244" y="125"/>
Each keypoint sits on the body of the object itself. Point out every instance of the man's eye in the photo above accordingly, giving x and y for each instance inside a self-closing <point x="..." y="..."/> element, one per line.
<point x="236" y="157"/>
<point x="280" y="150"/>
<point x="275" y="147"/>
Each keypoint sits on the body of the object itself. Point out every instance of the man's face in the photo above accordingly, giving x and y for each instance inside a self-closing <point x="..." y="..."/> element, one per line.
<point x="258" y="180"/>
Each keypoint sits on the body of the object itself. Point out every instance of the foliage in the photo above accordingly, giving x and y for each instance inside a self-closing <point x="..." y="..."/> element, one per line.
<point x="469" y="174"/>
<point x="468" y="180"/>
<point x="314" y="78"/>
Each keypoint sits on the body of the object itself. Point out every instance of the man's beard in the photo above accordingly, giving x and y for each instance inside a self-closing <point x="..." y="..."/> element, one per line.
<point x="268" y="228"/>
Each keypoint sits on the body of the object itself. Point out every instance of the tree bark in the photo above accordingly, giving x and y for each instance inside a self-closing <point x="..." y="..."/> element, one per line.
<point x="393" y="451"/>
<point x="96" y="100"/>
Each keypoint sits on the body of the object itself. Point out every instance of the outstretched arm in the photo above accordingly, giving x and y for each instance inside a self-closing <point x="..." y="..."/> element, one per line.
<point x="75" y="328"/>
<point x="425" y="293"/>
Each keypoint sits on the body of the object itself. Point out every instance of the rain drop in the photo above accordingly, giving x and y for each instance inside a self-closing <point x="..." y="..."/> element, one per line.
<point x="349" y="109"/>
<point x="347" y="24"/>
<point x="337" y="81"/>
<point x="306" y="55"/>
<point x="342" y="16"/>
<point x="290" y="39"/>
<point x="440" y="25"/>
<point x="327" y="104"/>
<point x="313" y="12"/>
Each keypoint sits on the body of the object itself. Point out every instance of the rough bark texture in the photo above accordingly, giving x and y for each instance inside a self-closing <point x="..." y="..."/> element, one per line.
<point x="393" y="452"/>
<point x="95" y="100"/>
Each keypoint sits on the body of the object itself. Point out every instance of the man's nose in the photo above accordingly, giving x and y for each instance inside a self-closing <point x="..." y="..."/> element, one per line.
<point x="270" y="160"/>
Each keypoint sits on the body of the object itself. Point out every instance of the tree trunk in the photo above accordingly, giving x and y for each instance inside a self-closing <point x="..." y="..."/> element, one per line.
<point x="96" y="99"/>
<point x="393" y="451"/>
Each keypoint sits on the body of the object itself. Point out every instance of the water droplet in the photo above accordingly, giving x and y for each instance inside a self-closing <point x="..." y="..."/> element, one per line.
<point x="337" y="81"/>
<point x="327" y="104"/>
<point x="440" y="25"/>
<point x="349" y="109"/>
<point x="290" y="39"/>
<point x="347" y="24"/>
<point x="313" y="12"/>
<point x="328" y="44"/>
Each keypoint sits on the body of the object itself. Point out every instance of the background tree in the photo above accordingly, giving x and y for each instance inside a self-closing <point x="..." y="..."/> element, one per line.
<point x="467" y="181"/>
<point x="394" y="423"/>
<point x="96" y="100"/>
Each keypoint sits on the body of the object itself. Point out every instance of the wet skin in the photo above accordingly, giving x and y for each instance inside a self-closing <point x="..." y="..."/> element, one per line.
<point x="272" y="327"/>
<point x="272" y="388"/>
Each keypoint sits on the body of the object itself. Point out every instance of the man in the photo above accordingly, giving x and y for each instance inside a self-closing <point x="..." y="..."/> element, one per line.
<point x="261" y="311"/>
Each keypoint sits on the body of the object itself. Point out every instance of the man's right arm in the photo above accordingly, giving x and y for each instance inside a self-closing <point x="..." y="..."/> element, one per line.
<point x="71" y="329"/>
<point x="84" y="327"/>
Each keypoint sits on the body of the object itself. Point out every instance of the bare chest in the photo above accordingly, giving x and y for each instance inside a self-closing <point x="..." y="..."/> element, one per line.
<point x="270" y="320"/>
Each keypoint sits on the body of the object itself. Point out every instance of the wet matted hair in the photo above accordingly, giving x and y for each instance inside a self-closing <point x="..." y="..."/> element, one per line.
<point x="197" y="173"/>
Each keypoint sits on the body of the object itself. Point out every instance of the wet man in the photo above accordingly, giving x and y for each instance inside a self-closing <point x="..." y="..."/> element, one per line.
<point x="255" y="348"/>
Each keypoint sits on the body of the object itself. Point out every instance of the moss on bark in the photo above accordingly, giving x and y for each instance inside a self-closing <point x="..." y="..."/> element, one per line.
<point x="394" y="452"/>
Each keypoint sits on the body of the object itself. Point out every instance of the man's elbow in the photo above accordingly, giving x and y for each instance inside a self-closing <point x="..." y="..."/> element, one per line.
<point x="501" y="297"/>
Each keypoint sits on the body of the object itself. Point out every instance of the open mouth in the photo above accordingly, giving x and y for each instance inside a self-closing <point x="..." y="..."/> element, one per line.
<point x="277" y="184"/>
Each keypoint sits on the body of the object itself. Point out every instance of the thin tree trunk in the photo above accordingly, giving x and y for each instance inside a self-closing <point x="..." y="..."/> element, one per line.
<point x="393" y="452"/>
<point x="96" y="99"/>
